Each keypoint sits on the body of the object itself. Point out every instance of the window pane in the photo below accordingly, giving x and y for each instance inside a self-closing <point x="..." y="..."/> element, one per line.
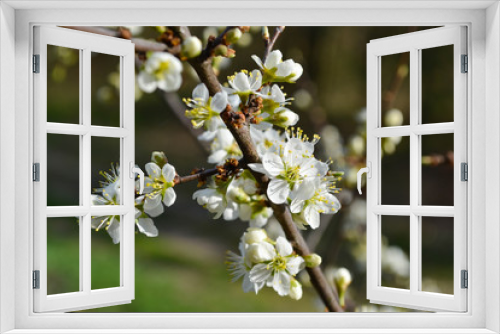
<point x="105" y="258"/>
<point x="105" y="89"/>
<point x="437" y="84"/>
<point x="63" y="170"/>
<point x="63" y="255"/>
<point x="395" y="170"/>
<point x="395" y="89"/>
<point x="437" y="254"/>
<point x="106" y="185"/>
<point x="437" y="170"/>
<point x="395" y="251"/>
<point x="63" y="84"/>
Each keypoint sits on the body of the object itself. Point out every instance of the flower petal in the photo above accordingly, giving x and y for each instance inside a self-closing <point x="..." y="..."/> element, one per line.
<point x="281" y="283"/>
<point x="153" y="170"/>
<point x="273" y="164"/>
<point x="295" y="264"/>
<point x="147" y="227"/>
<point x="278" y="191"/>
<point x="273" y="59"/>
<point x="146" y="82"/>
<point x="259" y="273"/>
<point x="114" y="230"/>
<point x="219" y="102"/>
<point x="283" y="247"/>
<point x="169" y="197"/>
<point x="168" y="172"/>
<point x="201" y="92"/>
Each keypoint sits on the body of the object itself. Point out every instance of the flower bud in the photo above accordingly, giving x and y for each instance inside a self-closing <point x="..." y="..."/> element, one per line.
<point x="254" y="235"/>
<point x="159" y="158"/>
<point x="191" y="47"/>
<point x="342" y="278"/>
<point x="312" y="260"/>
<point x="295" y="290"/>
<point x="265" y="33"/>
<point x="233" y="35"/>
<point x="259" y="252"/>
<point x="286" y="118"/>
<point x="220" y="50"/>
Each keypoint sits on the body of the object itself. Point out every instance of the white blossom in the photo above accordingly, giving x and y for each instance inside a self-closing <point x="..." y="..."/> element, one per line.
<point x="239" y="266"/>
<point x="158" y="188"/>
<point x="161" y="70"/>
<point x="204" y="108"/>
<point x="224" y="147"/>
<point x="276" y="70"/>
<point x="278" y="267"/>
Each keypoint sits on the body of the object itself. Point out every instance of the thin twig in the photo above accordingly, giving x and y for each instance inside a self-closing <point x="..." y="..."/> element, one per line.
<point x="141" y="45"/>
<point x="201" y="175"/>
<point x="269" y="43"/>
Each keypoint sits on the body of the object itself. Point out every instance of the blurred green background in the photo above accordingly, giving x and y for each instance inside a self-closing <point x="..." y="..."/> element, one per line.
<point x="183" y="270"/>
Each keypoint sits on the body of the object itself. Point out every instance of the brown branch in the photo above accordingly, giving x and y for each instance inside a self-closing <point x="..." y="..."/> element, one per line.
<point x="269" y="43"/>
<point x="281" y="212"/>
<point x="141" y="45"/>
<point x="199" y="176"/>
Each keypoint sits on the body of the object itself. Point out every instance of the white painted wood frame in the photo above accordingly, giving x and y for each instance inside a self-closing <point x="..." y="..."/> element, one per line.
<point x="414" y="43"/>
<point x="85" y="43"/>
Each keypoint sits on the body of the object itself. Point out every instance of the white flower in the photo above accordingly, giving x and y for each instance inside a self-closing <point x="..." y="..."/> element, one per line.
<point x="224" y="147"/>
<point x="289" y="167"/>
<point x="205" y="108"/>
<point x="315" y="197"/>
<point x="277" y="70"/>
<point x="268" y="140"/>
<point x="256" y="212"/>
<point x="280" y="269"/>
<point x="158" y="188"/>
<point x="243" y="84"/>
<point x="239" y="266"/>
<point x="212" y="200"/>
<point x="161" y="70"/>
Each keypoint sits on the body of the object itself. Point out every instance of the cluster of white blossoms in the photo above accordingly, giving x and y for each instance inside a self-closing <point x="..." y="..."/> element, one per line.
<point x="297" y="178"/>
<point x="265" y="262"/>
<point x="158" y="191"/>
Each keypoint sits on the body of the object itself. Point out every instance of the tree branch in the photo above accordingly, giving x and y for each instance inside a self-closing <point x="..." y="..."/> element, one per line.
<point x="269" y="43"/>
<point x="281" y="212"/>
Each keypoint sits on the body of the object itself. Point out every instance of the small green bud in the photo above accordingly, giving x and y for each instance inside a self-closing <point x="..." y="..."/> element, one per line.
<point x="159" y="158"/>
<point x="233" y="35"/>
<point x="312" y="260"/>
<point x="342" y="280"/>
<point x="220" y="50"/>
<point x="265" y="33"/>
<point x="191" y="47"/>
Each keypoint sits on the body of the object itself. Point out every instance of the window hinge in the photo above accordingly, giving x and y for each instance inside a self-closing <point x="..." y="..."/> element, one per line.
<point x="36" y="63"/>
<point x="36" y="172"/>
<point x="36" y="279"/>
<point x="464" y="171"/>
<point x="465" y="64"/>
<point x="465" y="279"/>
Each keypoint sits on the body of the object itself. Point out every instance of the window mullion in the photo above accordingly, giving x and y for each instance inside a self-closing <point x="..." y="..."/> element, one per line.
<point x="85" y="244"/>
<point x="415" y="180"/>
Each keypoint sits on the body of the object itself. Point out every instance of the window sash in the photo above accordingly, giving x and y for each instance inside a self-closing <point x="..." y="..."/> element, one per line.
<point x="413" y="43"/>
<point x="86" y="43"/>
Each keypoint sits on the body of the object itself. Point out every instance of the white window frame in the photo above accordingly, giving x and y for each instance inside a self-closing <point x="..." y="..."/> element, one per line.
<point x="414" y="43"/>
<point x="85" y="43"/>
<point x="483" y="20"/>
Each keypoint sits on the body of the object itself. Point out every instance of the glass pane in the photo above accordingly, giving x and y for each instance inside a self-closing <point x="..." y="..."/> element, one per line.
<point x="395" y="89"/>
<point x="63" y="170"/>
<point x="437" y="84"/>
<point x="437" y="169"/>
<point x="63" y="85"/>
<point x="396" y="251"/>
<point x="105" y="89"/>
<point x="437" y="254"/>
<point x="395" y="170"/>
<point x="63" y="255"/>
<point x="105" y="258"/>
<point x="106" y="184"/>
